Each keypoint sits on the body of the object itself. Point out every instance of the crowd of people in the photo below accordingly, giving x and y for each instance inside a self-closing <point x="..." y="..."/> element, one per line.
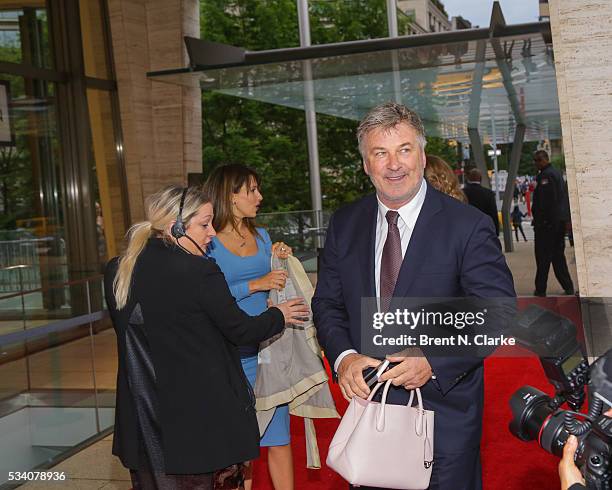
<point x="189" y="303"/>
<point x="546" y="203"/>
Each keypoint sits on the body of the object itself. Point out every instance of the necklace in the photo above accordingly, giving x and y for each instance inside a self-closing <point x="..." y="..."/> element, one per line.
<point x="243" y="243"/>
<point x="234" y="231"/>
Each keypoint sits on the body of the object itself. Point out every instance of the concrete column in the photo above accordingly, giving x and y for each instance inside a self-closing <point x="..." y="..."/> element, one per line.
<point x="478" y="152"/>
<point x="161" y="123"/>
<point x="582" y="44"/>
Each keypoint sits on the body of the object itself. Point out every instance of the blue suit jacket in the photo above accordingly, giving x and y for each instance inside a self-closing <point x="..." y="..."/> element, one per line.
<point x="453" y="252"/>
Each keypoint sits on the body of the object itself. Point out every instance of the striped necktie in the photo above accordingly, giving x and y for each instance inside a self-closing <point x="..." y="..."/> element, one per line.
<point x="391" y="261"/>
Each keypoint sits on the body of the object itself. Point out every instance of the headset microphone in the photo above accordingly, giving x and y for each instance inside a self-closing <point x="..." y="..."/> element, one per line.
<point x="178" y="228"/>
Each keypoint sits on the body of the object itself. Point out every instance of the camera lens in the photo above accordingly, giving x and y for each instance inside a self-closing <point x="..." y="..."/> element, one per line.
<point x="553" y="434"/>
<point x="530" y="409"/>
<point x="533" y="419"/>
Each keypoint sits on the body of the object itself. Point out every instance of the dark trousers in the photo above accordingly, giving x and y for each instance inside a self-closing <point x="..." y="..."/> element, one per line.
<point x="550" y="248"/>
<point x="453" y="472"/>
<point x="517" y="227"/>
<point x="146" y="480"/>
<point x="230" y="478"/>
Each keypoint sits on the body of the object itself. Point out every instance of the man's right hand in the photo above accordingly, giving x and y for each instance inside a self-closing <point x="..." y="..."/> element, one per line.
<point x="350" y="375"/>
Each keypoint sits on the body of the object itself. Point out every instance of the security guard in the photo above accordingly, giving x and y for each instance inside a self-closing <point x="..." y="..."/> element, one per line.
<point x="550" y="216"/>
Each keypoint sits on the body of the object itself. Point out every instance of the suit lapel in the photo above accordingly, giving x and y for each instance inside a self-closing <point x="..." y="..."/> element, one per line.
<point x="366" y="248"/>
<point x="416" y="254"/>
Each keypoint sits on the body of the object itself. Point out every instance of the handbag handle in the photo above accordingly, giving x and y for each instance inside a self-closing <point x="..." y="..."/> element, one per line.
<point x="419" y="424"/>
<point x="380" y="416"/>
<point x="375" y="389"/>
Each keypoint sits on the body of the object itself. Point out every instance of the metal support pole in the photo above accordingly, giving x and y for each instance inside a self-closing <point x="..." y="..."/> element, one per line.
<point x="392" y="23"/>
<point x="476" y="93"/>
<point x="311" y="123"/>
<point x="392" y="17"/>
<point x="303" y="23"/>
<point x="474" y="116"/>
<point x="515" y="158"/>
<point x="25" y="326"/>
<point x="92" y="352"/>
<point x="478" y="151"/>
<point x="495" y="163"/>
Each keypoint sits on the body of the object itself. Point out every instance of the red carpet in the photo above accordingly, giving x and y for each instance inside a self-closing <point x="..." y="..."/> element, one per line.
<point x="508" y="464"/>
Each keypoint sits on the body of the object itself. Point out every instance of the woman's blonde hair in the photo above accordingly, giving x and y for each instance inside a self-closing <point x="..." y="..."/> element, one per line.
<point x="162" y="208"/>
<point x="442" y="178"/>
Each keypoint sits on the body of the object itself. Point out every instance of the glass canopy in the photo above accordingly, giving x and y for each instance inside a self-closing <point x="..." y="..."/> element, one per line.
<point x="481" y="82"/>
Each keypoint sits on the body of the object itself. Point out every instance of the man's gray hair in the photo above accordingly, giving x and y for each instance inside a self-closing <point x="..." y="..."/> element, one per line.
<point x="386" y="117"/>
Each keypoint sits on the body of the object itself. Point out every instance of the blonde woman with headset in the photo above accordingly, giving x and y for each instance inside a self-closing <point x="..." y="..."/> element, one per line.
<point x="184" y="408"/>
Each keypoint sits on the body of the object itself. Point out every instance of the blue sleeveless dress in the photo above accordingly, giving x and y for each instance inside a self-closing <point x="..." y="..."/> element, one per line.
<point x="238" y="272"/>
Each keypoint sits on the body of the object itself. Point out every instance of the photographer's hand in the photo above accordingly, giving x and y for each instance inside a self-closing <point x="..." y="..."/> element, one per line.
<point x="568" y="471"/>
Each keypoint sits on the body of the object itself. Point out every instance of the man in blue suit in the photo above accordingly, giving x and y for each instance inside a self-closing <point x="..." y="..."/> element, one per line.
<point x="409" y="240"/>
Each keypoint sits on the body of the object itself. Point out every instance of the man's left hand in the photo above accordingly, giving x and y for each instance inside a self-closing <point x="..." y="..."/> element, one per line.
<point x="411" y="372"/>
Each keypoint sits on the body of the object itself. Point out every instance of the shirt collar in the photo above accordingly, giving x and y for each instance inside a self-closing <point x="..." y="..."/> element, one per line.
<point x="409" y="212"/>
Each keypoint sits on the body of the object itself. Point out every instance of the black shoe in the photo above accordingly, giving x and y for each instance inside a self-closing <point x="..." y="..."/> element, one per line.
<point x="569" y="292"/>
<point x="539" y="294"/>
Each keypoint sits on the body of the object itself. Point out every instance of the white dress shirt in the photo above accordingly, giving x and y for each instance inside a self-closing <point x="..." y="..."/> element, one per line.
<point x="408" y="215"/>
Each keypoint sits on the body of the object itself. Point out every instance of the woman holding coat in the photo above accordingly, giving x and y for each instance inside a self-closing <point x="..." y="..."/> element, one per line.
<point x="243" y="252"/>
<point x="184" y="407"/>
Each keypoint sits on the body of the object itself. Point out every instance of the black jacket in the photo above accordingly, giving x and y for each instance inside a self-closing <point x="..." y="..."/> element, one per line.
<point x="202" y="412"/>
<point x="464" y="259"/>
<point x="517" y="215"/>
<point x="484" y="199"/>
<point x="550" y="199"/>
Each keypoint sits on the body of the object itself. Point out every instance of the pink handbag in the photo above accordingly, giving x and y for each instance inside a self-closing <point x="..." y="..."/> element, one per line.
<point x="384" y="445"/>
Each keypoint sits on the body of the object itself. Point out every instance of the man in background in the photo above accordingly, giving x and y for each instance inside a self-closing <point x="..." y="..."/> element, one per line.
<point x="480" y="197"/>
<point x="550" y="218"/>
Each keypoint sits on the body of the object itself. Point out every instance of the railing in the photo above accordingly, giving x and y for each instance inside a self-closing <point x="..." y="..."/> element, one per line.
<point x="57" y="375"/>
<point x="304" y="231"/>
<point x="58" y="360"/>
<point x="28" y="252"/>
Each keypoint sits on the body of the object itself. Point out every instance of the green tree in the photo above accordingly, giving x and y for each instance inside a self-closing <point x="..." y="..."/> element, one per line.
<point x="15" y="168"/>
<point x="272" y="138"/>
<point x="526" y="166"/>
<point x="443" y="149"/>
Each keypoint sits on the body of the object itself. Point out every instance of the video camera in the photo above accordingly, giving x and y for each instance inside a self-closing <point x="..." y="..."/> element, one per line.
<point x="538" y="416"/>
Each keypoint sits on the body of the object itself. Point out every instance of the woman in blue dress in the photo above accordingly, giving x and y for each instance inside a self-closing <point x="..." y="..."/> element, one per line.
<point x="243" y="253"/>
